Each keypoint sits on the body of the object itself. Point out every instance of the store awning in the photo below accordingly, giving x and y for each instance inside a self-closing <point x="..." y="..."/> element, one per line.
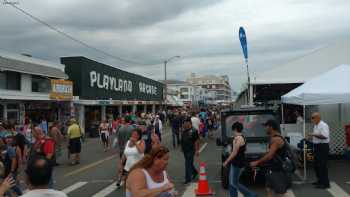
<point x="32" y="66"/>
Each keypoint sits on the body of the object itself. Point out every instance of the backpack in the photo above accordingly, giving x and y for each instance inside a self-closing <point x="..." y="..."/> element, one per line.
<point x="289" y="162"/>
<point x="39" y="151"/>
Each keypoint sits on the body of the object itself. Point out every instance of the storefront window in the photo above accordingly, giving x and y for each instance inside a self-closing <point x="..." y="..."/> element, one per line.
<point x="112" y="112"/>
<point x="13" y="116"/>
<point x="184" y="96"/>
<point x="2" y="80"/>
<point x="10" y="80"/>
<point x="183" y="89"/>
<point x="13" y="81"/>
<point x="12" y="112"/>
<point x="92" y="120"/>
<point x="1" y="113"/>
<point x="12" y="106"/>
<point x="41" y="84"/>
<point x="41" y="110"/>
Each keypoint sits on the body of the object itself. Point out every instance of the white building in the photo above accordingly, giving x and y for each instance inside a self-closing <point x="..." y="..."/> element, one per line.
<point x="220" y="85"/>
<point x="190" y="95"/>
<point x="26" y="89"/>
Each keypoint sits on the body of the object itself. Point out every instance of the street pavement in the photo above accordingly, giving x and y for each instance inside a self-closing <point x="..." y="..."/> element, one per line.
<point x="96" y="174"/>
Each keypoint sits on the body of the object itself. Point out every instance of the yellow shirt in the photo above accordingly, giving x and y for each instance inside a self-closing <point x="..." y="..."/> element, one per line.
<point x="74" y="131"/>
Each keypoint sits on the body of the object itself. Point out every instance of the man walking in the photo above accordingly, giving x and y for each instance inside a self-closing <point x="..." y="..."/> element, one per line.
<point x="158" y="125"/>
<point x="43" y="147"/>
<point x="190" y="148"/>
<point x="320" y="138"/>
<point x="123" y="134"/>
<point x="277" y="180"/>
<point x="195" y="121"/>
<point x="176" y="125"/>
<point x="74" y="136"/>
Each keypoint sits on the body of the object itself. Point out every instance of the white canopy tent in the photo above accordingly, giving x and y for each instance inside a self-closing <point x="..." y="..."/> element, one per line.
<point x="331" y="87"/>
<point x="308" y="66"/>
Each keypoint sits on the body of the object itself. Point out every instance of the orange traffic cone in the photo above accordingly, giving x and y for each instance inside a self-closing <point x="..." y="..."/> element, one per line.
<point x="203" y="185"/>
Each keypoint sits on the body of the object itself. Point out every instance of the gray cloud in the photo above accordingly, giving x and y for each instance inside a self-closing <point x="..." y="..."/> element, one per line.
<point x="203" y="32"/>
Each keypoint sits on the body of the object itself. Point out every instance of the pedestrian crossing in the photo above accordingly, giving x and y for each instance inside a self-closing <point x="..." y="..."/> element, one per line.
<point x="111" y="190"/>
<point x="106" y="191"/>
<point x="74" y="187"/>
<point x="336" y="190"/>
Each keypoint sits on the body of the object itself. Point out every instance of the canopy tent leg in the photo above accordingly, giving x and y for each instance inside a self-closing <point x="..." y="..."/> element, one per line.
<point x="283" y="126"/>
<point x="305" y="148"/>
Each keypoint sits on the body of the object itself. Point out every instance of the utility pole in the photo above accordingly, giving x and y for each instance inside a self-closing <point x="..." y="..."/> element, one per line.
<point x="165" y="82"/>
<point x="165" y="77"/>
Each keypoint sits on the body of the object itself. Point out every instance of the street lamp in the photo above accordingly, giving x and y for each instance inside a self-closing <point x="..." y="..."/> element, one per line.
<point x="165" y="77"/>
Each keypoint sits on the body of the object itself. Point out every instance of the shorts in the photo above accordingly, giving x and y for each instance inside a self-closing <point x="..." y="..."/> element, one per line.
<point x="104" y="137"/>
<point x="74" y="145"/>
<point x="278" y="181"/>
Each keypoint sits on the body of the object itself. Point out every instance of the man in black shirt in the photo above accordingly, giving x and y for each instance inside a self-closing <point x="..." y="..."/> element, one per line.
<point x="277" y="180"/>
<point x="190" y="148"/>
<point x="176" y="123"/>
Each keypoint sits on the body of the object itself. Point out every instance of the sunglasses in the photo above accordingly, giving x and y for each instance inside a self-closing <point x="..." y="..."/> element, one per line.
<point x="313" y="117"/>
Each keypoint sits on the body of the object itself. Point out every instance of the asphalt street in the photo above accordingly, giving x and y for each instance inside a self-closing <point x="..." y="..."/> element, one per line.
<point x="96" y="174"/>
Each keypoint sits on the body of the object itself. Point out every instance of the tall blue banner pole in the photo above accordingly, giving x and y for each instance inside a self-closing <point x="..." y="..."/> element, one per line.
<point x="243" y="40"/>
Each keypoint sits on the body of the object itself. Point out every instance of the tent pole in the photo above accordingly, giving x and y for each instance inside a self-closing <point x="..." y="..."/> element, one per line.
<point x="282" y="114"/>
<point x="305" y="148"/>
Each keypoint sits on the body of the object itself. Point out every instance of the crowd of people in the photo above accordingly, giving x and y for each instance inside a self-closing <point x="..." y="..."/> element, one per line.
<point x="143" y="156"/>
<point x="29" y="156"/>
<point x="36" y="147"/>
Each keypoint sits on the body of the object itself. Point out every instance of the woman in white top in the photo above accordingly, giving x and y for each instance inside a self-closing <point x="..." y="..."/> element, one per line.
<point x="104" y="134"/>
<point x="133" y="152"/>
<point x="148" y="177"/>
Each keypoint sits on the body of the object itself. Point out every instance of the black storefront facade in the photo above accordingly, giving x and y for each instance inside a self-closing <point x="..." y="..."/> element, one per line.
<point x="104" y="92"/>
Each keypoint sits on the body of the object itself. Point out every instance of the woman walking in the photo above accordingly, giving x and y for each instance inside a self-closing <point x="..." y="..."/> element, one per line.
<point x="148" y="177"/>
<point x="236" y="161"/>
<point x="133" y="152"/>
<point x="104" y="134"/>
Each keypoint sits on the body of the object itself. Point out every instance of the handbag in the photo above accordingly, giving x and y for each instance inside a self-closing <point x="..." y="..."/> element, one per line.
<point x="288" y="163"/>
<point x="279" y="181"/>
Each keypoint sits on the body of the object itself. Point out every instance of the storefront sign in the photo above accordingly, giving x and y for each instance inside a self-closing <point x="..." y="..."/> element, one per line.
<point x="97" y="81"/>
<point x="61" y="90"/>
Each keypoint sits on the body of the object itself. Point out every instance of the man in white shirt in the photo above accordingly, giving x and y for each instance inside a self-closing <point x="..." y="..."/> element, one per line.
<point x="158" y="125"/>
<point x="320" y="138"/>
<point x="195" y="121"/>
<point x="39" y="172"/>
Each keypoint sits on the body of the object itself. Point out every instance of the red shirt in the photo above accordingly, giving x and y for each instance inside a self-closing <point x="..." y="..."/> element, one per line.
<point x="45" y="145"/>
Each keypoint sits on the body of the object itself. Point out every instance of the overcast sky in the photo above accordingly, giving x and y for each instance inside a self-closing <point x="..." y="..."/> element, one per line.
<point x="203" y="32"/>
